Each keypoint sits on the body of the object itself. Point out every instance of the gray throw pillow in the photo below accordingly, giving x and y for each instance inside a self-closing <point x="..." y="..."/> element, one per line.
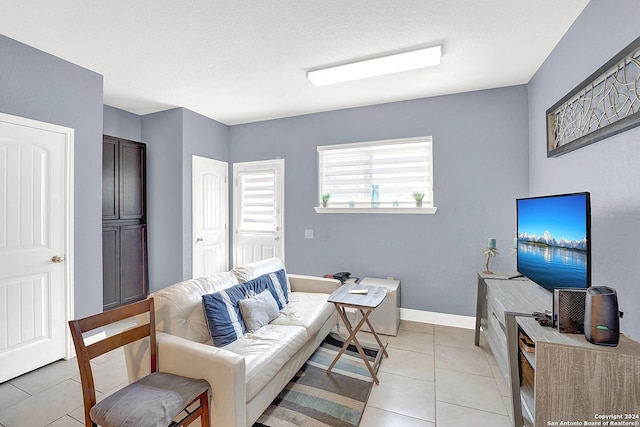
<point x="259" y="310"/>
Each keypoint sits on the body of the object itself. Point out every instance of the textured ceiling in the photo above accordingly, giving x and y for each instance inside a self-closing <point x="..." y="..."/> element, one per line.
<point x="240" y="61"/>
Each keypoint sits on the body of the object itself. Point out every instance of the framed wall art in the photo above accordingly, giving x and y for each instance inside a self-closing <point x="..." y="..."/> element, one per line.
<point x="606" y="103"/>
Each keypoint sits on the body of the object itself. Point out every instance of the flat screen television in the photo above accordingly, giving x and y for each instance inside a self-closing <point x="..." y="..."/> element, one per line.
<point x="554" y="241"/>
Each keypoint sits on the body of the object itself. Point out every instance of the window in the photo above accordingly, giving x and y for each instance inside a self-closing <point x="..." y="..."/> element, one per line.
<point x="378" y="176"/>
<point x="256" y="191"/>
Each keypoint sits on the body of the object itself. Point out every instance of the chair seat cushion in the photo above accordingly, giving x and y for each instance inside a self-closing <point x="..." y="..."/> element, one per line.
<point x="154" y="400"/>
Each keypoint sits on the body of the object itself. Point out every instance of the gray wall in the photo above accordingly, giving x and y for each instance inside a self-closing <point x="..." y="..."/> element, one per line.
<point x="201" y="136"/>
<point x="162" y="132"/>
<point x="480" y="167"/>
<point x="39" y="86"/>
<point x="122" y="124"/>
<point x="609" y="169"/>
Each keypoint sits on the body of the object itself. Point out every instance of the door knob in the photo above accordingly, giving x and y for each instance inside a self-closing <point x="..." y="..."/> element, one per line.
<point x="277" y="238"/>
<point x="56" y="259"/>
<point x="199" y="239"/>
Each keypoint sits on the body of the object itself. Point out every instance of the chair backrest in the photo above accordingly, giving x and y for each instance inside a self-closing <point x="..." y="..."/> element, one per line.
<point x="85" y="353"/>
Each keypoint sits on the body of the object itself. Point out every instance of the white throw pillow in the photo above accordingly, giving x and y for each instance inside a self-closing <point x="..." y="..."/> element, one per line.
<point x="259" y="310"/>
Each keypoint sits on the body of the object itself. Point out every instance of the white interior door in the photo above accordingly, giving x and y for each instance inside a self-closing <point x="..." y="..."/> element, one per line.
<point x="258" y="209"/>
<point x="210" y="209"/>
<point x="35" y="244"/>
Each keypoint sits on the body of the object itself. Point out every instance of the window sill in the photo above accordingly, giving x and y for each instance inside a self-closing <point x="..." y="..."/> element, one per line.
<point x="420" y="211"/>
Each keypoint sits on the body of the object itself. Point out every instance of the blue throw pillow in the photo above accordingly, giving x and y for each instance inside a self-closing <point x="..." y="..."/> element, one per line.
<point x="222" y="312"/>
<point x="276" y="283"/>
<point x="279" y="287"/>
<point x="222" y="309"/>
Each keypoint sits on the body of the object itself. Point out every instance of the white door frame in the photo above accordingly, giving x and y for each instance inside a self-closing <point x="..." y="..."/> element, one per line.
<point x="68" y="134"/>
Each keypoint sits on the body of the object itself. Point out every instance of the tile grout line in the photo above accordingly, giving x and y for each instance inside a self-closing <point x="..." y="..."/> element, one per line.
<point x="484" y="357"/>
<point x="24" y="391"/>
<point x="479" y="410"/>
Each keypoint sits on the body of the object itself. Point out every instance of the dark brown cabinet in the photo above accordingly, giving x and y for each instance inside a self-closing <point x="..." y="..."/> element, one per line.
<point x="124" y="230"/>
<point x="123" y="180"/>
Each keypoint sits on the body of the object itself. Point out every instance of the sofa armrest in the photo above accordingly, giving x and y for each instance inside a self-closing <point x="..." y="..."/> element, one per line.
<point x="222" y="369"/>
<point x="300" y="283"/>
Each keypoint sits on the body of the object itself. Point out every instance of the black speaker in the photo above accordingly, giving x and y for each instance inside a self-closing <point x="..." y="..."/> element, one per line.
<point x="568" y="310"/>
<point x="601" y="316"/>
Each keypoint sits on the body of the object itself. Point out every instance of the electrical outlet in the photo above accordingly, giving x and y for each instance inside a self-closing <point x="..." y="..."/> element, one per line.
<point x="308" y="234"/>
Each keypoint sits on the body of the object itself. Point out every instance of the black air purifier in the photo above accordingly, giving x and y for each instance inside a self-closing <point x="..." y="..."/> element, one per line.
<point x="601" y="316"/>
<point x="568" y="310"/>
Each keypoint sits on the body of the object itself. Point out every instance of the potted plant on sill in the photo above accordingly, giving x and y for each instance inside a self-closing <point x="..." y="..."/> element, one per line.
<point x="418" y="197"/>
<point x="325" y="199"/>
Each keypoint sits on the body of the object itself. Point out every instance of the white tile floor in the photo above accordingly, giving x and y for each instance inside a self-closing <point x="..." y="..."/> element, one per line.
<point x="434" y="376"/>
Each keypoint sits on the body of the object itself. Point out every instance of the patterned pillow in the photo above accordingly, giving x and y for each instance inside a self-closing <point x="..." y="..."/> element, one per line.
<point x="276" y="282"/>
<point x="222" y="309"/>
<point x="222" y="312"/>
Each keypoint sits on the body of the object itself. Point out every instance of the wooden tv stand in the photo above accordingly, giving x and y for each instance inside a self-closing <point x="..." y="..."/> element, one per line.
<point x="567" y="379"/>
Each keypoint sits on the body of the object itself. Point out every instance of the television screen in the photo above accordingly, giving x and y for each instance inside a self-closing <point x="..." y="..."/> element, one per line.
<point x="554" y="240"/>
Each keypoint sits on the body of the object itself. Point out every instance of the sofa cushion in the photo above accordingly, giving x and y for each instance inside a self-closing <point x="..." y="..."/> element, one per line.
<point x="179" y="307"/>
<point x="259" y="310"/>
<point x="258" y="268"/>
<point x="309" y="310"/>
<point x="265" y="352"/>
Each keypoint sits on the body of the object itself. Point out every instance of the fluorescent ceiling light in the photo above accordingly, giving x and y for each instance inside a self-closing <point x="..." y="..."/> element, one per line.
<point x="377" y="67"/>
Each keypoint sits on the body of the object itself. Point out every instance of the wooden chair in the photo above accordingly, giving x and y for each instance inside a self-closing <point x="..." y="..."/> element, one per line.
<point x="156" y="399"/>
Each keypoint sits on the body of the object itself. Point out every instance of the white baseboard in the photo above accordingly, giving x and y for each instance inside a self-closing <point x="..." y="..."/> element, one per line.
<point x="444" y="319"/>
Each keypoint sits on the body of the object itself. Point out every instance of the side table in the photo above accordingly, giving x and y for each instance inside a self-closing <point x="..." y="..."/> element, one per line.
<point x="366" y="303"/>
<point x="386" y="317"/>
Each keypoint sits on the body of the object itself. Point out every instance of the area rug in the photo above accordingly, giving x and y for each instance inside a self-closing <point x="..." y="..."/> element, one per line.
<point x="317" y="398"/>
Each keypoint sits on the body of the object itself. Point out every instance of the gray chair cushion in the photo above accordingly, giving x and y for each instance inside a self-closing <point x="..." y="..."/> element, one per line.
<point x="154" y="400"/>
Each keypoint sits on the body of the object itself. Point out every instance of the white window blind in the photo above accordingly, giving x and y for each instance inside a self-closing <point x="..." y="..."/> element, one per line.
<point x="257" y="203"/>
<point x="399" y="168"/>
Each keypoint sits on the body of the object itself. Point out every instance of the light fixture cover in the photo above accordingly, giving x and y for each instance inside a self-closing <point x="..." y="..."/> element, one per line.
<point x="377" y="67"/>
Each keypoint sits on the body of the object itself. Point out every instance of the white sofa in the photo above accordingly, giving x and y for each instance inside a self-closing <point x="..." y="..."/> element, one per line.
<point x="248" y="374"/>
